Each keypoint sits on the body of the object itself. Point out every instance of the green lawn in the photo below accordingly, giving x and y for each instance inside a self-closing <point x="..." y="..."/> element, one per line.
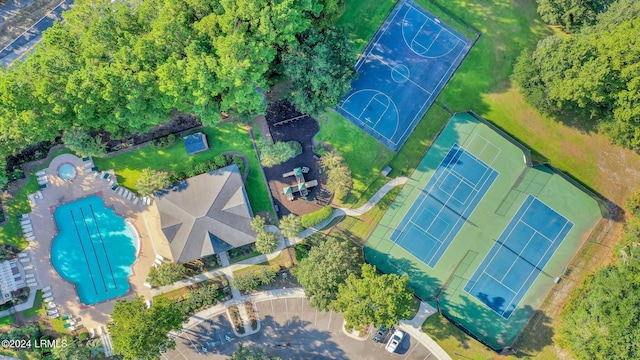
<point x="365" y="155"/>
<point x="361" y="19"/>
<point x="222" y="138"/>
<point x="37" y="308"/>
<point x="360" y="227"/>
<point x="7" y="320"/>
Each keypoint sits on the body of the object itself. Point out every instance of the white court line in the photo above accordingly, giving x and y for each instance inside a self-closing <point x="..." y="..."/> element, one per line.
<point x="391" y="102"/>
<point x="518" y="255"/>
<point x="537" y="266"/>
<point x="372" y="99"/>
<point x="487" y="143"/>
<point x="386" y="108"/>
<point x="430" y="18"/>
<point x="500" y="282"/>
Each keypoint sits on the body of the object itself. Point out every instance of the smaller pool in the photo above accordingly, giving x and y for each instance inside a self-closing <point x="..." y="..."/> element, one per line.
<point x="67" y="171"/>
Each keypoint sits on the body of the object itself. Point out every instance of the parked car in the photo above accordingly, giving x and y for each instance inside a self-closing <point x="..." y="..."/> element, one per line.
<point x="380" y="335"/>
<point x="395" y="340"/>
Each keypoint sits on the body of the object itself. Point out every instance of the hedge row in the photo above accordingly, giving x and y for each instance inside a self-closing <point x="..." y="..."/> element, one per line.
<point x="316" y="217"/>
<point x="250" y="281"/>
<point x="217" y="162"/>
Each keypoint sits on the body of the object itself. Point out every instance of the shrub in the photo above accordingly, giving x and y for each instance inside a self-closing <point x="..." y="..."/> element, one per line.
<point x="302" y="251"/>
<point x="220" y="161"/>
<point x="166" y="274"/>
<point x="266" y="242"/>
<point x="238" y="161"/>
<point x="275" y="268"/>
<point x="250" y="281"/>
<point x="164" y="142"/>
<point x="316" y="217"/>
<point x="279" y="152"/>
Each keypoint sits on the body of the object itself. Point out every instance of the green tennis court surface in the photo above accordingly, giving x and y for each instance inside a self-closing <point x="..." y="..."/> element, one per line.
<point x="484" y="248"/>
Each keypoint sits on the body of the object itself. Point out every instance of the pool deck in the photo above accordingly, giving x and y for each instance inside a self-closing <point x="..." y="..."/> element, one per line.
<point x="59" y="192"/>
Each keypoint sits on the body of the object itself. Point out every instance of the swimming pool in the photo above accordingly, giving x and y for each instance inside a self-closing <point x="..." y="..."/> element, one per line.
<point x="94" y="249"/>
<point x="67" y="171"/>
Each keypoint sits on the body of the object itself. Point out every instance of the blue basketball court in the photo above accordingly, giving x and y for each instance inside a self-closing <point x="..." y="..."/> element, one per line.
<point x="401" y="72"/>
<point x="442" y="207"/>
<point x="518" y="256"/>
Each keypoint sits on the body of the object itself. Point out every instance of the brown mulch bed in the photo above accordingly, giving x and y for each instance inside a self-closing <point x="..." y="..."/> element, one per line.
<point x="302" y="131"/>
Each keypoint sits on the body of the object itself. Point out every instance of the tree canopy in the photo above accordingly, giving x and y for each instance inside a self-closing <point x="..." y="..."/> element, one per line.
<point x="600" y="319"/>
<point x="594" y="74"/>
<point x="138" y="332"/>
<point x="123" y="66"/>
<point x="371" y="298"/>
<point x="326" y="267"/>
<point x="571" y="14"/>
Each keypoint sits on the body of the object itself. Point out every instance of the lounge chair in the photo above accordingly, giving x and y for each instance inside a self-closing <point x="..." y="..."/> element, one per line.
<point x="54" y="316"/>
<point x="50" y="307"/>
<point x="40" y="194"/>
<point x="52" y="312"/>
<point x="47" y="294"/>
<point x="106" y="176"/>
<point x="32" y="198"/>
<point x="94" y="169"/>
<point x="30" y="276"/>
<point x="92" y="333"/>
<point x="27" y="228"/>
<point x="46" y="288"/>
<point x="67" y="325"/>
<point x="42" y="186"/>
<point x="25" y="260"/>
<point x="28" y="267"/>
<point x="136" y="200"/>
<point x="23" y="255"/>
<point x="49" y="299"/>
<point x="95" y="176"/>
<point x="22" y="217"/>
<point x="66" y="317"/>
<point x="25" y="222"/>
<point x="30" y="238"/>
<point x="26" y="235"/>
<point x="99" y="332"/>
<point x="30" y="283"/>
<point x="40" y="172"/>
<point x="120" y="191"/>
<point x="71" y="328"/>
<point x="129" y="195"/>
<point x="115" y="187"/>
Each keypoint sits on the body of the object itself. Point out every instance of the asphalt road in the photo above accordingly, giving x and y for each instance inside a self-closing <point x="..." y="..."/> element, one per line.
<point x="291" y="329"/>
<point x="30" y="38"/>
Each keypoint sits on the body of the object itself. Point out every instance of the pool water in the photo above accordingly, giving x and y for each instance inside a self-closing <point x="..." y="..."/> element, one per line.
<point x="67" y="171"/>
<point x="94" y="249"/>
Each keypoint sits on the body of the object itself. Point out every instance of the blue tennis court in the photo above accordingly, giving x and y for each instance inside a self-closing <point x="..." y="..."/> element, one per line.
<point x="401" y="72"/>
<point x="445" y="203"/>
<point x="519" y="255"/>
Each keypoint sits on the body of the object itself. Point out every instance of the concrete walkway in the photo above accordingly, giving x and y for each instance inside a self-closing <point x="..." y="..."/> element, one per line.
<point x="412" y="327"/>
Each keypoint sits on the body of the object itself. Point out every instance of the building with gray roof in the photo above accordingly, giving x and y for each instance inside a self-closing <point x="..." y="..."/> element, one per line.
<point x="206" y="214"/>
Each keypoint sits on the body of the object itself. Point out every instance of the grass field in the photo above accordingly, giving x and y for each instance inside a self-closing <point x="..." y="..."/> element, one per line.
<point x="37" y="308"/>
<point x="222" y="138"/>
<point x="365" y="155"/>
<point x="6" y="320"/>
<point x="359" y="228"/>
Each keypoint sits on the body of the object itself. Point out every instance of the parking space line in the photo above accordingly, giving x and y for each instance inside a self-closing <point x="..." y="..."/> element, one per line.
<point x="191" y="342"/>
<point x="180" y="351"/>
<point x="414" y="347"/>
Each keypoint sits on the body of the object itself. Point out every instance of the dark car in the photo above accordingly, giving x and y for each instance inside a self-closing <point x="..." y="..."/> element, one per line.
<point x="380" y="335"/>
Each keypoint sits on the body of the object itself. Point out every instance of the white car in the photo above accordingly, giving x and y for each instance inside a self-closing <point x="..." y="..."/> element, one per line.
<point x="395" y="340"/>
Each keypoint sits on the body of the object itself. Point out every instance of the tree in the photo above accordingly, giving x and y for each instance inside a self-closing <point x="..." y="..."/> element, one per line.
<point x="593" y="74"/>
<point x="251" y="353"/>
<point x="279" y="152"/>
<point x="266" y="242"/>
<point x="258" y="224"/>
<point x="371" y="298"/>
<point x="320" y="68"/>
<point x="74" y="350"/>
<point x="339" y="180"/>
<point x="571" y="14"/>
<point x="83" y="144"/>
<point x="166" y="274"/>
<point x="326" y="267"/>
<point x="138" y="332"/>
<point x="290" y="225"/>
<point x="151" y="181"/>
<point x="331" y="159"/>
<point x="599" y="320"/>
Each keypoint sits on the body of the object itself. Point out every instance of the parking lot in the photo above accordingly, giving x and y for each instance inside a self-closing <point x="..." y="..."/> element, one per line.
<point x="291" y="329"/>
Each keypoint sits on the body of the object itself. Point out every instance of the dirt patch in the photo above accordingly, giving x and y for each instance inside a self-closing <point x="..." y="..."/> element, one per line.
<point x="302" y="130"/>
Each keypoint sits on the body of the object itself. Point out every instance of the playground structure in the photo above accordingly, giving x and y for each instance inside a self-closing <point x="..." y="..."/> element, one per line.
<point x="301" y="185"/>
